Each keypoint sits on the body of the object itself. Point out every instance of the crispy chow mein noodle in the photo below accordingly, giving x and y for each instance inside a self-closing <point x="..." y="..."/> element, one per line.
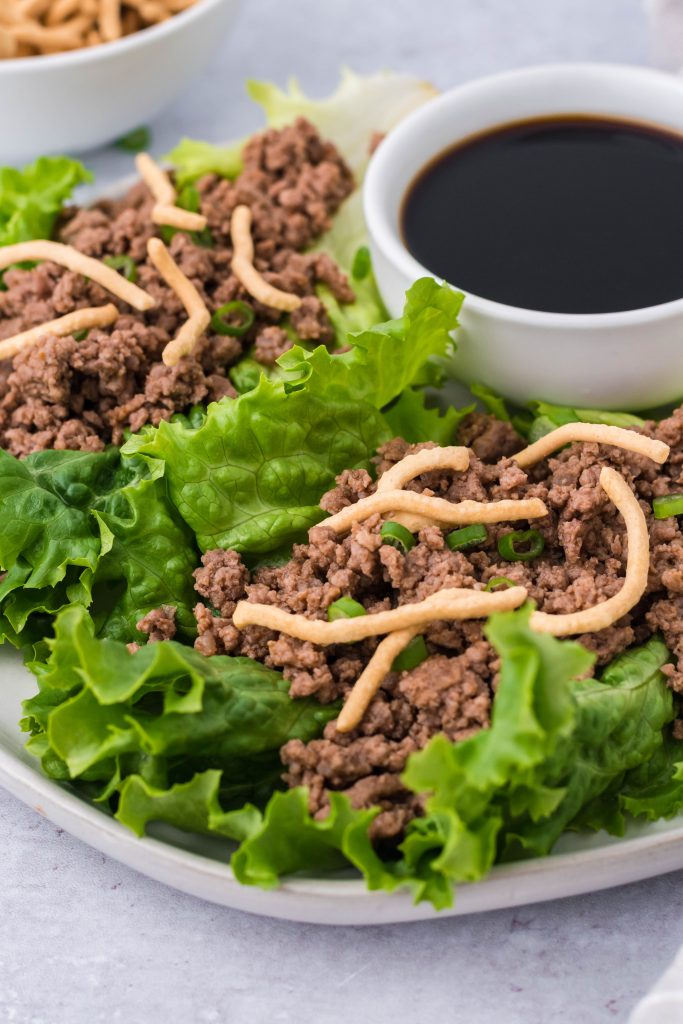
<point x="156" y="180"/>
<point x="72" y="259"/>
<point x="164" y="211"/>
<point x="198" y="315"/>
<point x="34" y="27"/>
<point x="246" y="273"/>
<point x="79" y="320"/>
<point x="629" y="440"/>
<point x="425" y="461"/>
<point x="436" y="510"/>
<point x="605" y="614"/>
<point x="371" y="678"/>
<point x="452" y="604"/>
<point x="176" y="217"/>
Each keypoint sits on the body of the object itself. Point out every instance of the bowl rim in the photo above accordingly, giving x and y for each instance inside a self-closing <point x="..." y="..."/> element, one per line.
<point x="110" y="50"/>
<point x="384" y="234"/>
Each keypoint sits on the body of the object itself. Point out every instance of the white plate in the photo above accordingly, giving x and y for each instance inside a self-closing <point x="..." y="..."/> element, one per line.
<point x="199" y="866"/>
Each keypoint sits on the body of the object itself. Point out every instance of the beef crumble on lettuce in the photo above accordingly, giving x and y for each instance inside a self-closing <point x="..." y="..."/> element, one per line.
<point x="70" y="393"/>
<point x="79" y="392"/>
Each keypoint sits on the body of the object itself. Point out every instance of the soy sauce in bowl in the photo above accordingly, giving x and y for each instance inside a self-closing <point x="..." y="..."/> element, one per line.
<point x="571" y="214"/>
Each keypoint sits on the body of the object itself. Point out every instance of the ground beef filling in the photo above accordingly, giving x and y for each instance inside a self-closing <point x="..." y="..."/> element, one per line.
<point x="451" y="692"/>
<point x="83" y="393"/>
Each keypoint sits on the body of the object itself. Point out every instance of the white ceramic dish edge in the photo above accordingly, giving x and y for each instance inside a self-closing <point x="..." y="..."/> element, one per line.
<point x="75" y="101"/>
<point x="590" y="360"/>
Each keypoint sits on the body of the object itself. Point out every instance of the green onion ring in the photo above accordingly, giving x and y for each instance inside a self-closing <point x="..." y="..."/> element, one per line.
<point x="345" y="608"/>
<point x="397" y="536"/>
<point x="508" y="545"/>
<point x="125" y="264"/>
<point x="412" y="655"/>
<point x="134" y="141"/>
<point x="671" y="505"/>
<point x="362" y="263"/>
<point x="189" y="199"/>
<point x="220" y="325"/>
<point x="466" y="537"/>
<point x="499" y="581"/>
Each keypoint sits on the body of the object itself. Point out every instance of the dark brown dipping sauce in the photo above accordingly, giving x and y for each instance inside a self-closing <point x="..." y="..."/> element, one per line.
<point x="568" y="215"/>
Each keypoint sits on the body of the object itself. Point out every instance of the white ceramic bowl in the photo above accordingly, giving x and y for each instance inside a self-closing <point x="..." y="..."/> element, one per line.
<point x="627" y="360"/>
<point x="70" y="102"/>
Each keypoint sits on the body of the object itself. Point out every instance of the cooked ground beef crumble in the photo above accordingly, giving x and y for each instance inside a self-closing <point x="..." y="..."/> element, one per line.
<point x="451" y="692"/>
<point x="83" y="394"/>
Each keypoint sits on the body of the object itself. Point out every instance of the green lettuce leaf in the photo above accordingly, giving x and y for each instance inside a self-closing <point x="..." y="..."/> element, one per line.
<point x="412" y="419"/>
<point x="360" y="107"/>
<point x="473" y="785"/>
<point x="386" y="359"/>
<point x="251" y="476"/>
<point x="339" y="839"/>
<point x="192" y="159"/>
<point x="32" y="198"/>
<point x="165" y="727"/>
<point x="81" y="527"/>
<point x="655" y="790"/>
<point x="346" y="239"/>
<point x="619" y="729"/>
<point x="151" y="561"/>
<point x="651" y="791"/>
<point x="547" y="417"/>
<point x="494" y="403"/>
<point x="539" y="418"/>
<point x="557" y="744"/>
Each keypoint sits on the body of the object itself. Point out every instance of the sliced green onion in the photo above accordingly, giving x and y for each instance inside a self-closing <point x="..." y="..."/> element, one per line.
<point x="345" y="608"/>
<point x="521" y="545"/>
<point x="124" y="263"/>
<point x="412" y="655"/>
<point x="671" y="505"/>
<point x="189" y="199"/>
<point x="134" y="141"/>
<point x="204" y="238"/>
<point x="398" y="536"/>
<point x="223" y="320"/>
<point x="500" y="581"/>
<point x="362" y="263"/>
<point x="466" y="537"/>
<point x="80" y="335"/>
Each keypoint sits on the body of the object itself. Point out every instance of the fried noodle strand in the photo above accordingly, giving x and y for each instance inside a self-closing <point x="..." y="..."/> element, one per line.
<point x="605" y="614"/>
<point x="629" y="440"/>
<point x="436" y="510"/>
<point x="454" y="458"/>
<point x="451" y="604"/>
